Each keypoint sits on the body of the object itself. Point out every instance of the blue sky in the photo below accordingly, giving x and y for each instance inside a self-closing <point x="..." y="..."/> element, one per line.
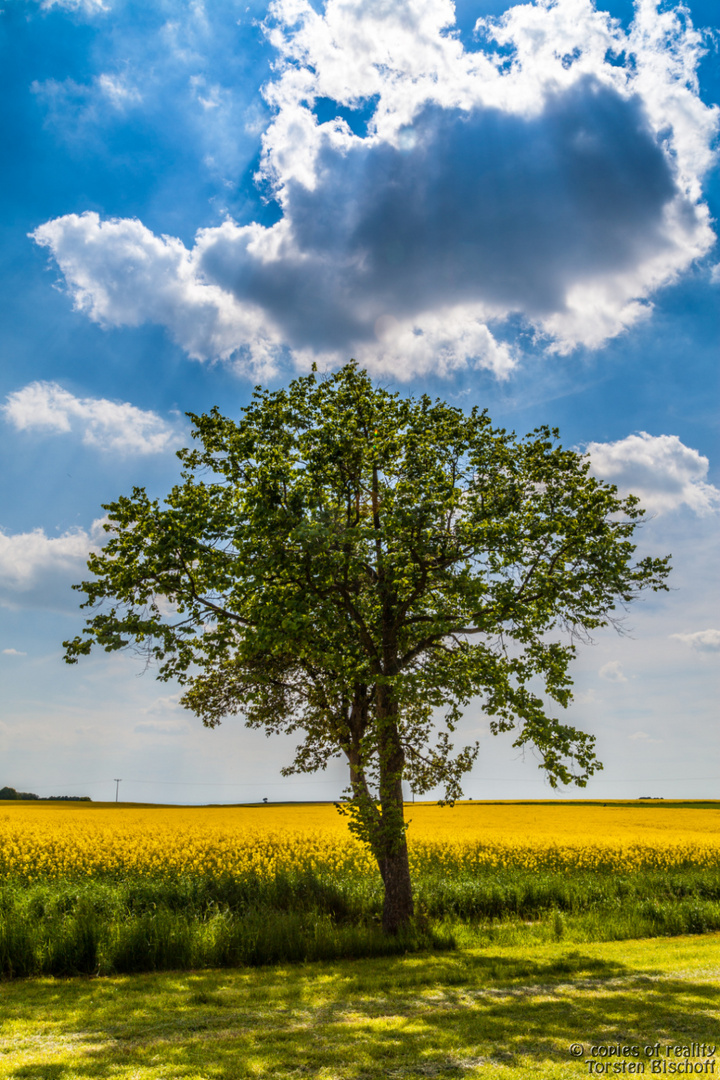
<point x="510" y="206"/>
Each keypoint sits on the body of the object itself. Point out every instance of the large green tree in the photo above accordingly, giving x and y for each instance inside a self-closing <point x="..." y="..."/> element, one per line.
<point x="354" y="566"/>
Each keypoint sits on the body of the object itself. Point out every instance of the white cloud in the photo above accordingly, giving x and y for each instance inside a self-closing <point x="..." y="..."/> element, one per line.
<point x="87" y="7"/>
<point x="166" y="717"/>
<point x="74" y="109"/>
<point x="108" y="425"/>
<point x="118" y="92"/>
<point x="13" y="652"/>
<point x="587" y="697"/>
<point x="705" y="640"/>
<point x="430" y="192"/>
<point x="208" y="96"/>
<point x="167" y="704"/>
<point x="613" y="672"/>
<point x="121" y="274"/>
<point x="660" y="470"/>
<point x="171" y="728"/>
<point x="37" y="570"/>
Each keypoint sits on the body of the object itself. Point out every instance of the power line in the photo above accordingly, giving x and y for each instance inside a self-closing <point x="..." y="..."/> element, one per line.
<point x="315" y="783"/>
<point x="631" y="780"/>
<point x="184" y="783"/>
<point x="239" y="783"/>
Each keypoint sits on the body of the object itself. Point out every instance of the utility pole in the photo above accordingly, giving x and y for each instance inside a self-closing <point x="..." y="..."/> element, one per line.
<point x="117" y="789"/>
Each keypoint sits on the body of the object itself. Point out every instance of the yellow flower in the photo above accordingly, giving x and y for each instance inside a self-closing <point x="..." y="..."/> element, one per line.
<point x="90" y="839"/>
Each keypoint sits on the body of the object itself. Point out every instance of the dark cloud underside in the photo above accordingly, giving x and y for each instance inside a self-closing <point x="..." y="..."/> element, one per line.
<point x="481" y="206"/>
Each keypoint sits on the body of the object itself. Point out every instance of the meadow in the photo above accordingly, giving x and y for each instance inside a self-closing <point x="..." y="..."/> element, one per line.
<point x="108" y="889"/>
<point x="491" y="1013"/>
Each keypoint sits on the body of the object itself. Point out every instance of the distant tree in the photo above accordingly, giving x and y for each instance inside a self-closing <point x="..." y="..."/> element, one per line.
<point x="68" y="798"/>
<point x="11" y="793"/>
<point x="347" y="563"/>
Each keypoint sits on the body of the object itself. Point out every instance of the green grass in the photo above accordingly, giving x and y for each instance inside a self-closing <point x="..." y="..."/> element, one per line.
<point x="499" y="1012"/>
<point x="106" y="926"/>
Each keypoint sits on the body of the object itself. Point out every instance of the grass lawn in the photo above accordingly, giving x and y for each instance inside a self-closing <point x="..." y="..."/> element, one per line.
<point x="493" y="1012"/>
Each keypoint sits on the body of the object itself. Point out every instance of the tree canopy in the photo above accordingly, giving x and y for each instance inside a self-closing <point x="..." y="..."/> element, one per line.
<point x="354" y="566"/>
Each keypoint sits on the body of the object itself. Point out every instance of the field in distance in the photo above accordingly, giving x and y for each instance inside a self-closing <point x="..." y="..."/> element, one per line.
<point x="60" y="840"/>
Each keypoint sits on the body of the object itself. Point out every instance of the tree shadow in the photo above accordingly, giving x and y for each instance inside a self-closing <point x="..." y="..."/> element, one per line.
<point x="446" y="1015"/>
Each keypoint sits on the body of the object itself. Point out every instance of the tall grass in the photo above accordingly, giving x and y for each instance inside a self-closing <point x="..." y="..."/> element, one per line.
<point x="131" y="924"/>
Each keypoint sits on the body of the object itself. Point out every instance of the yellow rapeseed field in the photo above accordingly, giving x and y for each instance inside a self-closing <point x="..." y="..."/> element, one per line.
<point x="51" y="840"/>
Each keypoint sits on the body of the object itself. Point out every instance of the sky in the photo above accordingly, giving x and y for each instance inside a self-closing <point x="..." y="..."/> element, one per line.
<point x="509" y="206"/>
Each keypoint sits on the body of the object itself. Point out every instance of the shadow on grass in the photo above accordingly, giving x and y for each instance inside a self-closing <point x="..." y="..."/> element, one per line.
<point x="413" y="1016"/>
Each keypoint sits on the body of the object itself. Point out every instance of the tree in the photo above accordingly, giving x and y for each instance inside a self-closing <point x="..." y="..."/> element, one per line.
<point x="344" y="562"/>
<point x="11" y="793"/>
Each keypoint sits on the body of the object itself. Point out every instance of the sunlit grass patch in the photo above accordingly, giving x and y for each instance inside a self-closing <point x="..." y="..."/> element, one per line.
<point x="493" y="1012"/>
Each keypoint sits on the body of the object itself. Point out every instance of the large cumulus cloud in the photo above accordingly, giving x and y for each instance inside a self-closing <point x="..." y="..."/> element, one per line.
<point x="663" y="472"/>
<point x="430" y="193"/>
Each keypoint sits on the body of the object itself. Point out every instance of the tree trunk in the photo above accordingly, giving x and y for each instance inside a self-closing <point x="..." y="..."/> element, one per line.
<point x="392" y="852"/>
<point x="392" y="857"/>
<point x="398" y="906"/>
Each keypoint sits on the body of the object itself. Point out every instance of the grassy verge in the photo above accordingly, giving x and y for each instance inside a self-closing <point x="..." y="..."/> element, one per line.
<point x="106" y="926"/>
<point x="500" y="1012"/>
